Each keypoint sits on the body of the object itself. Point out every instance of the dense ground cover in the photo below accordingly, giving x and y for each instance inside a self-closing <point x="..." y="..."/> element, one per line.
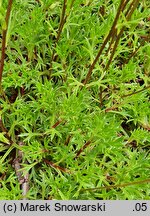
<point x="74" y="106"/>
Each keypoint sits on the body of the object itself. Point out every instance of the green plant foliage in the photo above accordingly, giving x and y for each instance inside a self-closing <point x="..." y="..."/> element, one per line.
<point x="65" y="132"/>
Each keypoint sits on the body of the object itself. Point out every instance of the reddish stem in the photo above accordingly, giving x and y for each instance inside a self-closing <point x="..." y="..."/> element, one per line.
<point x="56" y="166"/>
<point x="4" y="33"/>
<point x="81" y="149"/>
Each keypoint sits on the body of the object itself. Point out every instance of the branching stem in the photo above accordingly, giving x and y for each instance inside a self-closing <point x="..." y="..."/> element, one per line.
<point x="111" y="34"/>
